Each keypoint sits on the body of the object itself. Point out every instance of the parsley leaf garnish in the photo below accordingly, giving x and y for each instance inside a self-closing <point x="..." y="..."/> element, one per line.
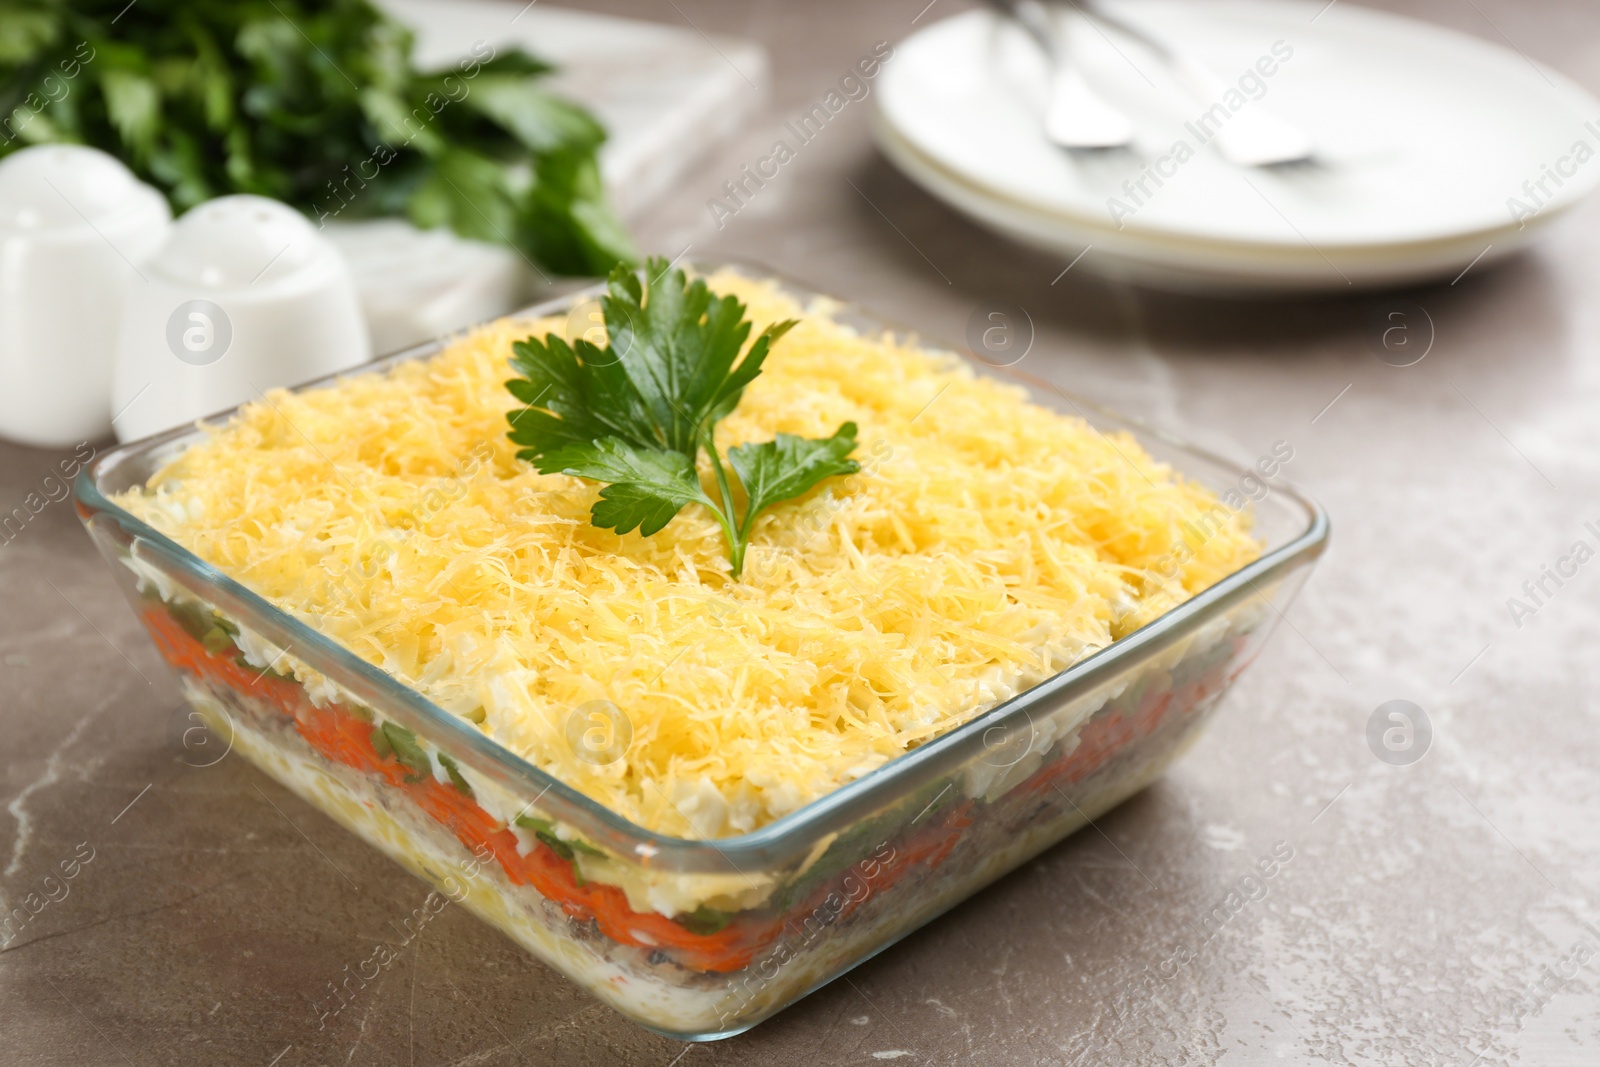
<point x="636" y="414"/>
<point x="788" y="466"/>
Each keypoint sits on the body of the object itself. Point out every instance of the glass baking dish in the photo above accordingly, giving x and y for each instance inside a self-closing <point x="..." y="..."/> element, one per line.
<point x="823" y="888"/>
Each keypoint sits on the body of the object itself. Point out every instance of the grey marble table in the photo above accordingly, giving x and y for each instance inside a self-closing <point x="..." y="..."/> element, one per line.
<point x="1442" y="912"/>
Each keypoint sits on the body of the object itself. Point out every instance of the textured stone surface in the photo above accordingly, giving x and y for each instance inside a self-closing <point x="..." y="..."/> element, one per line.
<point x="1413" y="924"/>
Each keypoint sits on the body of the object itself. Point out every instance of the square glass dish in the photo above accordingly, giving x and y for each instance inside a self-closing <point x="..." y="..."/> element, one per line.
<point x="821" y="889"/>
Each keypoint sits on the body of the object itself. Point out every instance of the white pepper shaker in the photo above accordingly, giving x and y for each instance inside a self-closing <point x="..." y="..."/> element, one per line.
<point x="244" y="296"/>
<point x="75" y="225"/>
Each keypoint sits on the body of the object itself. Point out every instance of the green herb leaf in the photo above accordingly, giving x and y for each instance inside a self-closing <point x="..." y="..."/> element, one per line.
<point x="584" y="847"/>
<point x="468" y="192"/>
<point x="576" y="394"/>
<point x="392" y="739"/>
<point x="678" y="350"/>
<point x="704" y="921"/>
<point x="790" y="466"/>
<point x="195" y="617"/>
<point x="539" y="119"/>
<point x="667" y="372"/>
<point x="647" y="489"/>
<point x="216" y="641"/>
<point x="456" y="777"/>
<point x="133" y="104"/>
<point x="23" y="33"/>
<point x="567" y="222"/>
<point x="545" y="831"/>
<point x="533" y="822"/>
<point x="636" y="414"/>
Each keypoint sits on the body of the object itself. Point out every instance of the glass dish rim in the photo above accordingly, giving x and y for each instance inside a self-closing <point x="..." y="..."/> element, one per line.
<point x="796" y="832"/>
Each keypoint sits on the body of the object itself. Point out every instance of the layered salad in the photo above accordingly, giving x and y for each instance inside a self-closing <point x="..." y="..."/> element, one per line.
<point x="705" y="555"/>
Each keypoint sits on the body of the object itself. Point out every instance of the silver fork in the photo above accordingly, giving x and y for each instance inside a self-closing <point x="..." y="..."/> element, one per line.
<point x="1248" y="138"/>
<point x="1075" y="116"/>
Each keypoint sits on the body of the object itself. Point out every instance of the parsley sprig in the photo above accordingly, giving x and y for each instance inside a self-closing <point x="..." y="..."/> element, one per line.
<point x="636" y="414"/>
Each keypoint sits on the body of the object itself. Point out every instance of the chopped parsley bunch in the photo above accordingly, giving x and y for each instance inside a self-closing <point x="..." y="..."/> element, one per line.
<point x="318" y="103"/>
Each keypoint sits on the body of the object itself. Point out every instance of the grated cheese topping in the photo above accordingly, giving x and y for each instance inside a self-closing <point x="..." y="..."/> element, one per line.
<point x="988" y="543"/>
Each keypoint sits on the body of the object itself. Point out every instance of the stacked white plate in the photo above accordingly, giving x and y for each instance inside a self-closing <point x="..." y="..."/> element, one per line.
<point x="1434" y="151"/>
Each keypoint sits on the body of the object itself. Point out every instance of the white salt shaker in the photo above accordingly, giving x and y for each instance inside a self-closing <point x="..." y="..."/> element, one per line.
<point x="75" y="225"/>
<point x="244" y="296"/>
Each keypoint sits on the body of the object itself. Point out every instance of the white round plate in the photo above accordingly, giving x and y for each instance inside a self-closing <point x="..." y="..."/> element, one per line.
<point x="1433" y="149"/>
